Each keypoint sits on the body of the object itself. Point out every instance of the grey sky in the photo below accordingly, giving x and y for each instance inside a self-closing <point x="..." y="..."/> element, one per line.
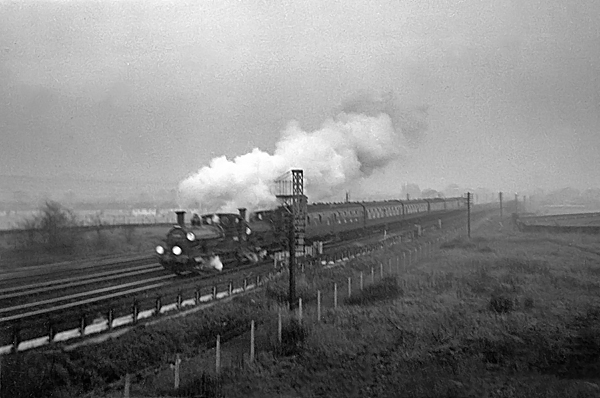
<point x="143" y="90"/>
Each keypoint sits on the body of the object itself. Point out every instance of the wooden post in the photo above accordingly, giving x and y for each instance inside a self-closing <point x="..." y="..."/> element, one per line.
<point x="135" y="311"/>
<point x="318" y="306"/>
<point x="404" y="261"/>
<point x="218" y="356"/>
<point x="372" y="275"/>
<point x="335" y="295"/>
<point x="361" y="281"/>
<point x="279" y="327"/>
<point x="127" y="385"/>
<point x="214" y="292"/>
<point x="82" y="325"/>
<point x="177" y="362"/>
<point x="110" y="318"/>
<point x="349" y="287"/>
<point x="380" y="271"/>
<point x="252" y="341"/>
<point x="300" y="310"/>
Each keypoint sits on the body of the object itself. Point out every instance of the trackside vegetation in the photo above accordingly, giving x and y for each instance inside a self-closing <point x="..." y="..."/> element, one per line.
<point x="50" y="236"/>
<point x="504" y="314"/>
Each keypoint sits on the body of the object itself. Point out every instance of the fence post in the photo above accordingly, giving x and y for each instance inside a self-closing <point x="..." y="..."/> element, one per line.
<point x="245" y="284"/>
<point x="51" y="333"/>
<point x="214" y="292"/>
<point x="390" y="265"/>
<point x="361" y="281"/>
<point x="135" y="311"/>
<point x="16" y="338"/>
<point x="349" y="287"/>
<point x="82" y="325"/>
<point x="110" y="317"/>
<point x="157" y="306"/>
<point x="197" y="295"/>
<point x="230" y="287"/>
<point x="335" y="295"/>
<point x="177" y="362"/>
<point x="372" y="275"/>
<point x="300" y="310"/>
<point x="404" y="261"/>
<point x="279" y="326"/>
<point x="318" y="306"/>
<point x="380" y="270"/>
<point x="252" y="341"/>
<point x="179" y="301"/>
<point x="127" y="385"/>
<point x="218" y="355"/>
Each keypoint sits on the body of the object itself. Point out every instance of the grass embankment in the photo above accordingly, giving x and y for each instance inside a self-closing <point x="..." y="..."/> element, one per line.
<point x="502" y="315"/>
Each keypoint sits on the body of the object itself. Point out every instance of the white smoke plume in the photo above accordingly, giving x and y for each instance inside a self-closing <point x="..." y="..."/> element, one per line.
<point x="366" y="135"/>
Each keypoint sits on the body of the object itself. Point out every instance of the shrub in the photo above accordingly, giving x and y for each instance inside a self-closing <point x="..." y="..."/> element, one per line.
<point x="501" y="303"/>
<point x="51" y="228"/>
<point x="386" y="289"/>
<point x="293" y="336"/>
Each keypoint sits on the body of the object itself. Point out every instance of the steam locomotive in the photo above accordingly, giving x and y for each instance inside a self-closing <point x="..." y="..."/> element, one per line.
<point x="212" y="239"/>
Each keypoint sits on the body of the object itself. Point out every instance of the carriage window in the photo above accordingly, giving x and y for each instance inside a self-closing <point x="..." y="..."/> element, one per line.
<point x="260" y="216"/>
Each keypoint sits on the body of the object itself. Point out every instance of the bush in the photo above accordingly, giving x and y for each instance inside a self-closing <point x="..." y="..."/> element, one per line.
<point x="293" y="336"/>
<point x="51" y="228"/>
<point x="386" y="289"/>
<point x="501" y="303"/>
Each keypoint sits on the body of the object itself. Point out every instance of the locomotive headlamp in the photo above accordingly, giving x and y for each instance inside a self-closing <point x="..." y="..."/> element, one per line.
<point x="190" y="236"/>
<point x="160" y="250"/>
<point x="176" y="250"/>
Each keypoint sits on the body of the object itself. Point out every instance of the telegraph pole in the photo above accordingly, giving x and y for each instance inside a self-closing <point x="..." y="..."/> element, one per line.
<point x="516" y="204"/>
<point x="500" y="196"/>
<point x="469" y="215"/>
<point x="291" y="193"/>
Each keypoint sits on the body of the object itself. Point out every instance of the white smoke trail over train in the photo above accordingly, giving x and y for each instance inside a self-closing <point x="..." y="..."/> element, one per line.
<point x="365" y="136"/>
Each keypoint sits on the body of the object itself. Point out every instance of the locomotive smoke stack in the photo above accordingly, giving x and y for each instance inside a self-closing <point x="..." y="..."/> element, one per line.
<point x="180" y="218"/>
<point x="242" y="211"/>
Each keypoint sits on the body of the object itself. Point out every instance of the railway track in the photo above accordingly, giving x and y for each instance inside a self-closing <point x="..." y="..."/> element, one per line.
<point x="70" y="304"/>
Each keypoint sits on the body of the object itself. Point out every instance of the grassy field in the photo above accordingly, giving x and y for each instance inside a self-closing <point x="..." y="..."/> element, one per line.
<point x="504" y="314"/>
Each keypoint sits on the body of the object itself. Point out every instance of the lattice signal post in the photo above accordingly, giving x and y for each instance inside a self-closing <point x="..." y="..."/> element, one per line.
<point x="290" y="192"/>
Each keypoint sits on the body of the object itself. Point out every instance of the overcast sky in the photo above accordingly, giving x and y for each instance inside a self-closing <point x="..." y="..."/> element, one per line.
<point x="153" y="90"/>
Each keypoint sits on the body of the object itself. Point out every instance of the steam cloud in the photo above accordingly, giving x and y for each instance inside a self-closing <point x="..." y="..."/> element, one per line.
<point x="366" y="135"/>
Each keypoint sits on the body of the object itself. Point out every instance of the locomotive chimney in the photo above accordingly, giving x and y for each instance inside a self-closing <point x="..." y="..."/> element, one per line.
<point x="242" y="211"/>
<point x="180" y="217"/>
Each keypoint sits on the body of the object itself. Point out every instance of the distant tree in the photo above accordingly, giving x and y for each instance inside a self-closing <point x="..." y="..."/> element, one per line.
<point x="51" y="227"/>
<point x="431" y="193"/>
